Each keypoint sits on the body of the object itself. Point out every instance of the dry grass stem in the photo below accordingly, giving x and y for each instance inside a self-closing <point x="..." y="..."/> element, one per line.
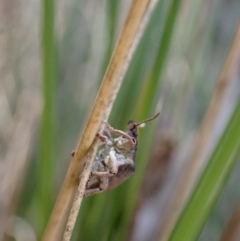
<point x="188" y="179"/>
<point x="101" y="109"/>
<point x="232" y="232"/>
<point x="80" y="192"/>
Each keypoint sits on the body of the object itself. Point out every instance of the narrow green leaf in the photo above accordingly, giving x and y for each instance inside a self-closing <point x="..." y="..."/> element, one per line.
<point x="210" y="183"/>
<point x="47" y="126"/>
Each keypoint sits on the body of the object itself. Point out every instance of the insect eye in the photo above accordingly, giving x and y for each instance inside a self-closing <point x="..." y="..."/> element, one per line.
<point x="131" y="126"/>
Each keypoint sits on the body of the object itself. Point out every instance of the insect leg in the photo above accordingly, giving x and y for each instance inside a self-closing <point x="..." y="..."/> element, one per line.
<point x="101" y="174"/>
<point x="89" y="192"/>
<point x="112" y="162"/>
<point x="103" y="138"/>
<point x="112" y="166"/>
<point x="103" y="185"/>
<point x="120" y="133"/>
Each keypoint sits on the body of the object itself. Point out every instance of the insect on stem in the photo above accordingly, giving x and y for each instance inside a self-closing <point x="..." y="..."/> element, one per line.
<point x="115" y="162"/>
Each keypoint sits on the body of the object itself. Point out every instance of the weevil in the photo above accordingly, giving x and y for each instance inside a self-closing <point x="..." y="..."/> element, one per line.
<point x="115" y="162"/>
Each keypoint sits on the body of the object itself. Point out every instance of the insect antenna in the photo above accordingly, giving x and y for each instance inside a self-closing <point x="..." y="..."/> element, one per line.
<point x="147" y="120"/>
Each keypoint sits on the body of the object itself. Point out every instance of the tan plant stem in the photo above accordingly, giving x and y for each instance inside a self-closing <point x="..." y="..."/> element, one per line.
<point x="101" y="109"/>
<point x="80" y="192"/>
<point x="189" y="177"/>
<point x="232" y="231"/>
<point x="16" y="159"/>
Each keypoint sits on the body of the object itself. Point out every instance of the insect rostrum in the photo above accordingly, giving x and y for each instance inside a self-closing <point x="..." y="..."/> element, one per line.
<point x="115" y="162"/>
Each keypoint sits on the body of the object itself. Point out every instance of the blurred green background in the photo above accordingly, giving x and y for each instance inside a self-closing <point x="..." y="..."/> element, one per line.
<point x="53" y="57"/>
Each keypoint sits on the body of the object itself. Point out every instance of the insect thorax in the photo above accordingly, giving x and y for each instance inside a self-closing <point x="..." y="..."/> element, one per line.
<point x="121" y="147"/>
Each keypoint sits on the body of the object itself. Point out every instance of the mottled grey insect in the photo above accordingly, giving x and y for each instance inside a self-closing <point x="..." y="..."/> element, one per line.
<point x="115" y="162"/>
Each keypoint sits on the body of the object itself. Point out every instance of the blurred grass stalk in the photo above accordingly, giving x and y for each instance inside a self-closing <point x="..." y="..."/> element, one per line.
<point x="16" y="158"/>
<point x="231" y="232"/>
<point x="47" y="121"/>
<point x="219" y="165"/>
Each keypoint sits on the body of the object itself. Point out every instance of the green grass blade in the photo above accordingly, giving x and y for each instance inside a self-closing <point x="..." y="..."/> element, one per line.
<point x="161" y="59"/>
<point x="210" y="183"/>
<point x="47" y="126"/>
